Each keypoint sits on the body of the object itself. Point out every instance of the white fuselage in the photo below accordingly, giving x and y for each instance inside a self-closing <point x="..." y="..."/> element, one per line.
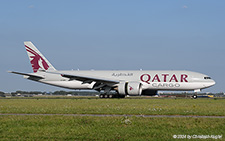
<point x="152" y="80"/>
<point x="125" y="82"/>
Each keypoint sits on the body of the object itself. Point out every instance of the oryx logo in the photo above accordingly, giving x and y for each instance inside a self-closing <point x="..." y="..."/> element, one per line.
<point x="37" y="61"/>
<point x="131" y="88"/>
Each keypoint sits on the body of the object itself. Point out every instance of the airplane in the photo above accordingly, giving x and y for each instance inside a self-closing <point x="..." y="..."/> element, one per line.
<point x="124" y="82"/>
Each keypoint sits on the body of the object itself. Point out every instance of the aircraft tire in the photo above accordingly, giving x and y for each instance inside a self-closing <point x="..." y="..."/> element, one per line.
<point x="111" y="96"/>
<point x="195" y="96"/>
<point x="101" y="96"/>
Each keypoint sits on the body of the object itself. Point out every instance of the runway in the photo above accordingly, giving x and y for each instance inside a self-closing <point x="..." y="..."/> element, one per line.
<point x="107" y="115"/>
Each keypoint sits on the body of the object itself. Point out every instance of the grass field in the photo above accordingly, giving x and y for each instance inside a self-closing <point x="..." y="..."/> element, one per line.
<point x="105" y="128"/>
<point x="115" y="106"/>
<point x="59" y="127"/>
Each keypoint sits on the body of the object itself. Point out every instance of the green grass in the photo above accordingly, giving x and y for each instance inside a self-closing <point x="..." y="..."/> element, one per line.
<point x="213" y="107"/>
<point x="105" y="128"/>
<point x="59" y="127"/>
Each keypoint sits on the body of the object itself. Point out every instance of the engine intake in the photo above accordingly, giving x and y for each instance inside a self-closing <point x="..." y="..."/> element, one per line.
<point x="130" y="88"/>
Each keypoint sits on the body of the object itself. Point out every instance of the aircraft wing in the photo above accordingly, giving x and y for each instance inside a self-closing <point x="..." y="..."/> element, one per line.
<point x="26" y="74"/>
<point x="101" y="83"/>
<point x="86" y="79"/>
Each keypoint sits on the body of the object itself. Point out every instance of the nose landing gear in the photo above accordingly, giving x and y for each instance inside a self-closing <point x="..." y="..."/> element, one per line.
<point x="194" y="96"/>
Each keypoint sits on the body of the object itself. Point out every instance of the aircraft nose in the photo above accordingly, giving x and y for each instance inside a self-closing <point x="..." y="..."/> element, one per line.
<point x="209" y="83"/>
<point x="213" y="82"/>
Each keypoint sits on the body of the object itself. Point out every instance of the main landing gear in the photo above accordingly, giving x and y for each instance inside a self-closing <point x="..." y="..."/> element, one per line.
<point x="111" y="96"/>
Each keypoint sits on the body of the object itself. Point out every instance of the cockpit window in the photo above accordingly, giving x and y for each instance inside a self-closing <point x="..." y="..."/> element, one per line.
<point x="207" y="77"/>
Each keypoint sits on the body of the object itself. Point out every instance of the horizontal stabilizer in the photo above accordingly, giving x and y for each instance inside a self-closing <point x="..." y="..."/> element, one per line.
<point x="26" y="74"/>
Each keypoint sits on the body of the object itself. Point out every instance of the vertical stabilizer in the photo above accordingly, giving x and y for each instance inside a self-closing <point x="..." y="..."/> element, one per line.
<point x="37" y="60"/>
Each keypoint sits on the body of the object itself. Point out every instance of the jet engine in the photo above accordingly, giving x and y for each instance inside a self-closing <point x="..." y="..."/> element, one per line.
<point x="130" y="88"/>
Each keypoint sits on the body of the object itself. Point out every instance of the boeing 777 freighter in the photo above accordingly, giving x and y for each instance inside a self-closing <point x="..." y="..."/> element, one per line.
<point x="124" y="82"/>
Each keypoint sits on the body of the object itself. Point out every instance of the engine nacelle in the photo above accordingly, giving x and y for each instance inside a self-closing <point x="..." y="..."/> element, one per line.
<point x="130" y="88"/>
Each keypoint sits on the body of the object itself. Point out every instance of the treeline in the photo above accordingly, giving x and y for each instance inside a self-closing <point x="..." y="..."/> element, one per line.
<point x="75" y="93"/>
<point x="51" y="93"/>
<point x="28" y="92"/>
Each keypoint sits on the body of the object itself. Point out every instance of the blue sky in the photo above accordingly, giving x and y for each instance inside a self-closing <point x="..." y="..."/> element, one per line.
<point x="113" y="35"/>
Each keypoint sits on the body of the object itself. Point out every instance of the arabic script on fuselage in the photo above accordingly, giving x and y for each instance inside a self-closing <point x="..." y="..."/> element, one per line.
<point x="122" y="74"/>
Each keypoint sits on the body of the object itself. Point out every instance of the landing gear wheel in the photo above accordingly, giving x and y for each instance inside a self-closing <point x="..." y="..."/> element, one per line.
<point x="195" y="96"/>
<point x="111" y="96"/>
<point x="101" y="96"/>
